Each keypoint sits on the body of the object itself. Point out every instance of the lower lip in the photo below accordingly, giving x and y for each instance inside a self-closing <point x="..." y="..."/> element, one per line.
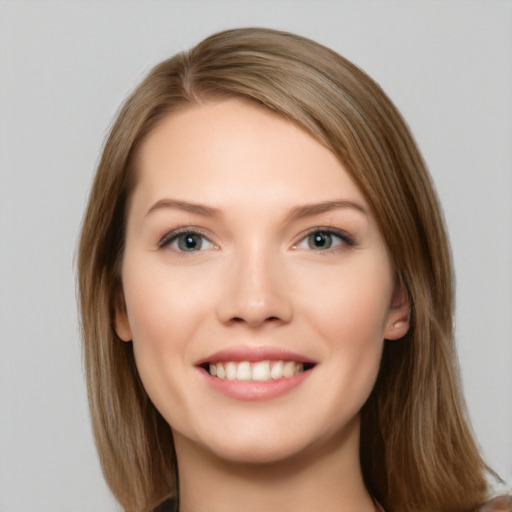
<point x="254" y="390"/>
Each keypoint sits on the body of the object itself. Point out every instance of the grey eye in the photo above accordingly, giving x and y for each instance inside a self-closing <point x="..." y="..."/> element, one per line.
<point x="189" y="242"/>
<point x="320" y="240"/>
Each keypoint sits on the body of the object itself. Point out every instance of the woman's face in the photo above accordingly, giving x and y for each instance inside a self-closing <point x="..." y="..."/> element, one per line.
<point x="258" y="288"/>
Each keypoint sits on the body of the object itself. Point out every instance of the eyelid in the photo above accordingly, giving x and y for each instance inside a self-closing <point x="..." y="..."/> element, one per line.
<point x="170" y="236"/>
<point x="345" y="238"/>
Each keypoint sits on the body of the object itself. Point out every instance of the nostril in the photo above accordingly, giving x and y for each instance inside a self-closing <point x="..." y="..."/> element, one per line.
<point x="238" y="319"/>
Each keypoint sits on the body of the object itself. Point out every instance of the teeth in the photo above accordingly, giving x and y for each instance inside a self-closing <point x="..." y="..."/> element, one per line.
<point x="289" y="369"/>
<point x="277" y="370"/>
<point x="260" y="371"/>
<point x="221" y="373"/>
<point x="244" y="371"/>
<point x="231" y="371"/>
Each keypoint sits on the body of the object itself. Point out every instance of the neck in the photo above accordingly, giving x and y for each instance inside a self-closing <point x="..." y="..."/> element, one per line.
<point x="324" y="477"/>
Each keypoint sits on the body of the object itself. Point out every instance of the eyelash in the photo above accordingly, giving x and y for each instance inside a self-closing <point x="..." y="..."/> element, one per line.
<point x="344" y="238"/>
<point x="174" y="235"/>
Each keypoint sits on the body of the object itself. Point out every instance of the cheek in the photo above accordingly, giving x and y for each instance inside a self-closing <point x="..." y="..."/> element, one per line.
<point x="352" y="306"/>
<point x="164" y="314"/>
<point x="350" y="314"/>
<point x="164" y="308"/>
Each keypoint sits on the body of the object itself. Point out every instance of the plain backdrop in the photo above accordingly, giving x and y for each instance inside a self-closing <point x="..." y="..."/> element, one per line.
<point x="66" y="66"/>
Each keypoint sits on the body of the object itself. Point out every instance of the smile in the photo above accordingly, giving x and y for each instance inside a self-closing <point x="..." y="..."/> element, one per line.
<point x="255" y="372"/>
<point x="260" y="371"/>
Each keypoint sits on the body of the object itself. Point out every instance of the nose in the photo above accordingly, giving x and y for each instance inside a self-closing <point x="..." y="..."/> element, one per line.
<point x="255" y="291"/>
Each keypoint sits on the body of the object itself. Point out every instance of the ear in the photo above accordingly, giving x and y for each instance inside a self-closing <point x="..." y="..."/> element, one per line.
<point x="121" y="322"/>
<point x="398" y="321"/>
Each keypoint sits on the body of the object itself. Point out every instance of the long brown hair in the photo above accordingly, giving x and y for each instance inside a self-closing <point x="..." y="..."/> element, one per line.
<point x="417" y="450"/>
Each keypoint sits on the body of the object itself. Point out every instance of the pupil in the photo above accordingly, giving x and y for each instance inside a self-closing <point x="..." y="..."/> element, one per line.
<point x="321" y="240"/>
<point x="190" y="242"/>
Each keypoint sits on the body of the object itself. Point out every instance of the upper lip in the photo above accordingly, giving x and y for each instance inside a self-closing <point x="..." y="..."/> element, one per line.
<point x="254" y="354"/>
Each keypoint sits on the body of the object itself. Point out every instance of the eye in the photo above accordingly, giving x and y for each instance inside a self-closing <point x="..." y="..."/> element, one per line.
<point x="186" y="241"/>
<point x="323" y="239"/>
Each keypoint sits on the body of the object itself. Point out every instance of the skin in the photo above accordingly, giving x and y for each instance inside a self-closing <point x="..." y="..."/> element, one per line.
<point x="258" y="280"/>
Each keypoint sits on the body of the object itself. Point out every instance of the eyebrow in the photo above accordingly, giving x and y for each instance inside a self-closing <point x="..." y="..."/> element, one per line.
<point x="296" y="213"/>
<point x="309" y="210"/>
<point x="200" y="209"/>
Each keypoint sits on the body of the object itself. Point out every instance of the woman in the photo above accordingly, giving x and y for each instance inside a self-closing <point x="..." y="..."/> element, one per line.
<point x="266" y="293"/>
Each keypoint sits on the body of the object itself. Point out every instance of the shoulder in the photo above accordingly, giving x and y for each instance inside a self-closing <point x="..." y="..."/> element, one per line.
<point x="502" y="503"/>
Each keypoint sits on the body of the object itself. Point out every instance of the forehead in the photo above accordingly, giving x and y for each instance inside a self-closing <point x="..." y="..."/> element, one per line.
<point x="233" y="147"/>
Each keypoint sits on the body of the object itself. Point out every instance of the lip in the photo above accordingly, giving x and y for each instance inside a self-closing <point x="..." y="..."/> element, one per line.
<point x="254" y="390"/>
<point x="254" y="354"/>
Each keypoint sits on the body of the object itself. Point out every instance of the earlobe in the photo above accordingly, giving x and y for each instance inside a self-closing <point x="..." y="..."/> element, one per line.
<point x="121" y="323"/>
<point x="122" y="327"/>
<point x="399" y="314"/>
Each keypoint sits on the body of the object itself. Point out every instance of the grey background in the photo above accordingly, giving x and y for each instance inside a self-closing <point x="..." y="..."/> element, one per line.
<point x="66" y="66"/>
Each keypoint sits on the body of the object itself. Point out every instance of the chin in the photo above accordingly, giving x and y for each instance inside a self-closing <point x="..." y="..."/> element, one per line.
<point x="256" y="453"/>
<point x="273" y="444"/>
